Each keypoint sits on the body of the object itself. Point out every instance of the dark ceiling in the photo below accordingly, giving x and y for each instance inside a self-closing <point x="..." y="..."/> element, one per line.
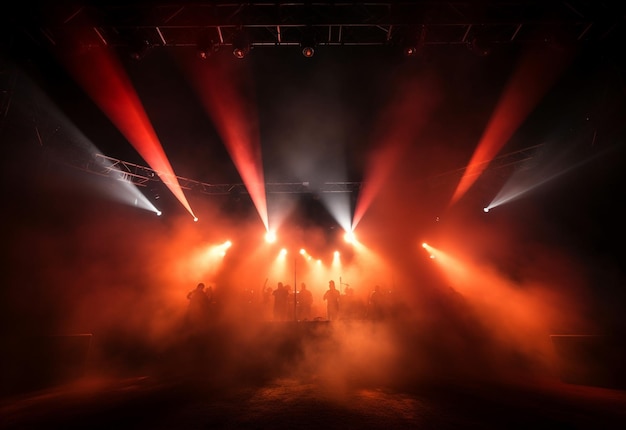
<point x="346" y="32"/>
<point x="185" y="23"/>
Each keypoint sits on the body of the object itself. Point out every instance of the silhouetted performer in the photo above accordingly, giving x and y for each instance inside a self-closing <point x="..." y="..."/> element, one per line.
<point x="209" y="294"/>
<point x="332" y="301"/>
<point x="349" y="303"/>
<point x="305" y="301"/>
<point x="267" y="303"/>
<point x="281" y="295"/>
<point x="198" y="310"/>
<point x="376" y="304"/>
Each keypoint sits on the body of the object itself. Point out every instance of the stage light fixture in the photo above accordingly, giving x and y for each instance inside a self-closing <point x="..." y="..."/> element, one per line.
<point x="307" y="43"/>
<point x="308" y="51"/>
<point x="410" y="51"/>
<point x="207" y="47"/>
<point x="241" y="45"/>
<point x="159" y="213"/>
<point x="413" y="41"/>
<point x="195" y="219"/>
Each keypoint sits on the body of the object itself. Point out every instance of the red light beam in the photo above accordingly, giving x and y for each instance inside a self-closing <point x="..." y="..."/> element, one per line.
<point x="535" y="74"/>
<point x="103" y="78"/>
<point x="220" y="90"/>
<point x="401" y="123"/>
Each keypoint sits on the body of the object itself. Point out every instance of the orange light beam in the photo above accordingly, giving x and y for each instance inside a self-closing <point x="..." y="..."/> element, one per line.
<point x="103" y="78"/>
<point x="237" y="122"/>
<point x="536" y="73"/>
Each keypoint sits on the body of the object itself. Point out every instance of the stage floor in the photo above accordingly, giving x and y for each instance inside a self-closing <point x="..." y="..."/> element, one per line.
<point x="149" y="402"/>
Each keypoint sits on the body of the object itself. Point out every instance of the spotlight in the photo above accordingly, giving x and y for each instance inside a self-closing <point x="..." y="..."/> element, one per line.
<point x="206" y="48"/>
<point x="413" y="41"/>
<point x="486" y="210"/>
<point x="410" y="51"/>
<point x="302" y="251"/>
<point x="241" y="46"/>
<point x="195" y="219"/>
<point x="349" y="237"/>
<point x="159" y="213"/>
<point x="308" y="42"/>
<point x="239" y="52"/>
<point x="270" y="237"/>
<point x="308" y="51"/>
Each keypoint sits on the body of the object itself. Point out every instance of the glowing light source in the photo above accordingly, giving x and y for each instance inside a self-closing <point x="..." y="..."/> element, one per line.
<point x="308" y="42"/>
<point x="270" y="237"/>
<point x="302" y="251"/>
<point x="101" y="74"/>
<point x="235" y="119"/>
<point x="410" y="51"/>
<point x="431" y="251"/>
<point x="308" y="51"/>
<point x="241" y="45"/>
<point x="222" y="248"/>
<point x="159" y="213"/>
<point x="206" y="46"/>
<point x="283" y="252"/>
<point x="534" y="76"/>
<point x="486" y="210"/>
<point x="349" y="237"/>
<point x="195" y="219"/>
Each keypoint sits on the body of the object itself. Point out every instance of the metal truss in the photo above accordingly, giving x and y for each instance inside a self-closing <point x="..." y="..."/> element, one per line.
<point x="142" y="176"/>
<point x="183" y="23"/>
<point x="512" y="159"/>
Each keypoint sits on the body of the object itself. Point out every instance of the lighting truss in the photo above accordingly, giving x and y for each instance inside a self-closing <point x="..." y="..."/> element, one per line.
<point x="141" y="176"/>
<point x="179" y="23"/>
<point x="502" y="162"/>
